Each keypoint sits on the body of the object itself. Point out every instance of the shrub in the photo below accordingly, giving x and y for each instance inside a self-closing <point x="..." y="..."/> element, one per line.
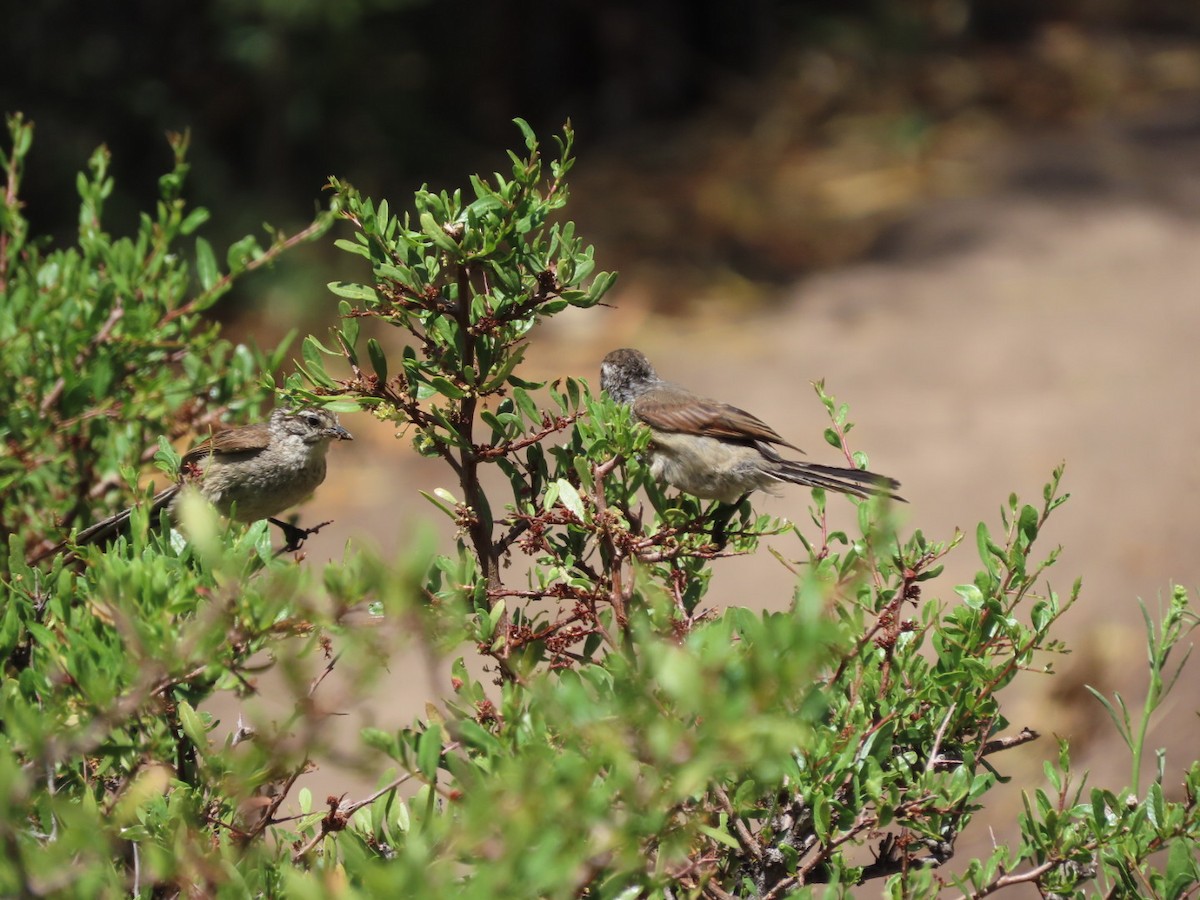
<point x="623" y="739"/>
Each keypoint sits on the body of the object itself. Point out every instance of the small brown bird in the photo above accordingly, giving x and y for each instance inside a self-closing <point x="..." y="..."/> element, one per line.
<point x="713" y="450"/>
<point x="250" y="472"/>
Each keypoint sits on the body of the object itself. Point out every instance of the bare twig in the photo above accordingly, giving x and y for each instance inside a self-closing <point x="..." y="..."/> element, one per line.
<point x="745" y="838"/>
<point x="1007" y="743"/>
<point x="1009" y="880"/>
<point x="937" y="740"/>
<point x="339" y="814"/>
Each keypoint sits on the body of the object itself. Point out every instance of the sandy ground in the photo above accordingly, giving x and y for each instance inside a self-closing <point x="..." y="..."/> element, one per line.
<point x="987" y="341"/>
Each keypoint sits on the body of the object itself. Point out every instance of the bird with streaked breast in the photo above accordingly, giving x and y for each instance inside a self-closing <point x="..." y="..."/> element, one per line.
<point x="249" y="472"/>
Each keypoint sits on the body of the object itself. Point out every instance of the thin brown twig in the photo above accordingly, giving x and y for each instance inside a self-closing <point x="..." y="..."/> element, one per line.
<point x="316" y="682"/>
<point x="1009" y="880"/>
<point x="339" y="814"/>
<point x="393" y="784"/>
<point x="937" y="739"/>
<point x="268" y="817"/>
<point x="1024" y="736"/>
<point x="616" y="558"/>
<point x="268" y="256"/>
<point x="745" y="838"/>
<point x="716" y="891"/>
<point x="118" y="311"/>
<point x="549" y="427"/>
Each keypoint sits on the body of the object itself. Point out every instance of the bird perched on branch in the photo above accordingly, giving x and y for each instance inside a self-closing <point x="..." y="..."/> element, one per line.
<point x="249" y="472"/>
<point x="714" y="450"/>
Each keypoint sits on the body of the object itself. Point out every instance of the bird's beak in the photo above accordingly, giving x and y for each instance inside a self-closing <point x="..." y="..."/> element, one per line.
<point x="337" y="431"/>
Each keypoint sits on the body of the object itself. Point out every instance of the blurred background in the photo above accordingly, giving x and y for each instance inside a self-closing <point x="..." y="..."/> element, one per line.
<point x="979" y="222"/>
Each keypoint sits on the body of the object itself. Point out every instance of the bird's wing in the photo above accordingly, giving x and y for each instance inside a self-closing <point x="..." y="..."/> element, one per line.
<point x="246" y="439"/>
<point x="698" y="415"/>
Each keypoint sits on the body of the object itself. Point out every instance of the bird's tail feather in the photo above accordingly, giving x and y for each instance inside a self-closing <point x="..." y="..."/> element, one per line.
<point x="114" y="526"/>
<point x="856" y="482"/>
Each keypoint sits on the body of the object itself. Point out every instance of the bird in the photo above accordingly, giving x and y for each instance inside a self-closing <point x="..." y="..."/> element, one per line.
<point x="714" y="450"/>
<point x="249" y="472"/>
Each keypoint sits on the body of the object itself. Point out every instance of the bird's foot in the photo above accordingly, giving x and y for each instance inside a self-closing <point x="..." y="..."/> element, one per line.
<point x="295" y="536"/>
<point x="723" y="514"/>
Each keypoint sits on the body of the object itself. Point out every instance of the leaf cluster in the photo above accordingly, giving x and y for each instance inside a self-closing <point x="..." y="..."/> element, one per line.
<point x="105" y="345"/>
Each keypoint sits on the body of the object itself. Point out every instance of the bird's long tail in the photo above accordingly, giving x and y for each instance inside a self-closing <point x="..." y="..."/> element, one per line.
<point x="857" y="482"/>
<point x="110" y="529"/>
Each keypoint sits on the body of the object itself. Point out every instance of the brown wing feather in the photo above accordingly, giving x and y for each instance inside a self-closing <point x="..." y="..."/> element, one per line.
<point x="689" y="414"/>
<point x="244" y="439"/>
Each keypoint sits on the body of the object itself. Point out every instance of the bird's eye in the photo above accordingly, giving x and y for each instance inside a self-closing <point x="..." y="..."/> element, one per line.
<point x="313" y="420"/>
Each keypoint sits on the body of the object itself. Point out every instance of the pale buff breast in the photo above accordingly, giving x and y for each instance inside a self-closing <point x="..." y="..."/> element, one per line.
<point x="707" y="467"/>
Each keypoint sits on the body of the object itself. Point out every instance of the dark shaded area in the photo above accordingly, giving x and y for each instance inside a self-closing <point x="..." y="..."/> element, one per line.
<point x="390" y="94"/>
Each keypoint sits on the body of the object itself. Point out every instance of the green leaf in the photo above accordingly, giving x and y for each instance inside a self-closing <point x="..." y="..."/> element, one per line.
<point x="511" y="361"/>
<point x="600" y="286"/>
<point x="1027" y="523"/>
<point x="447" y="507"/>
<point x="570" y="498"/>
<point x="583" y="470"/>
<point x="378" y="359"/>
<point x="525" y="403"/>
<point x="437" y="234"/>
<point x="720" y="836"/>
<point x="193" y="725"/>
<point x="353" y="247"/>
<point x="167" y="460"/>
<point x="206" y="264"/>
<point x="350" y="327"/>
<point x="987" y="549"/>
<point x="346" y="405"/>
<point x="446" y="388"/>
<point x="194" y="220"/>
<point x="429" y="751"/>
<point x="527" y="133"/>
<point x="353" y="291"/>
<point x="971" y="595"/>
<point x="1183" y="872"/>
<point x="822" y="817"/>
<point x="241" y="253"/>
<point x="495" y="614"/>
<point x="311" y="350"/>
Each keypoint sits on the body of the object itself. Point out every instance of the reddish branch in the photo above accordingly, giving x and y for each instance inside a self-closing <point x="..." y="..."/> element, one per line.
<point x="549" y="427"/>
